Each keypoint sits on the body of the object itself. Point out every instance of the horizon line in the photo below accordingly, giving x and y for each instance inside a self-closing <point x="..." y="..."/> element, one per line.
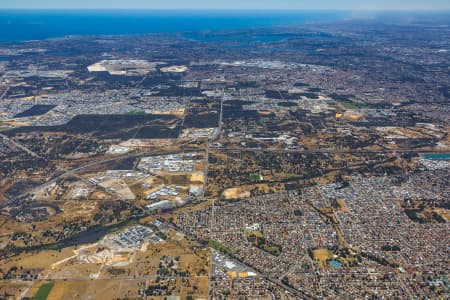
<point x="440" y="10"/>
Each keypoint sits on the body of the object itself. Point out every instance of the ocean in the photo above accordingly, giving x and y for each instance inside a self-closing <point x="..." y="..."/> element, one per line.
<point x="24" y="25"/>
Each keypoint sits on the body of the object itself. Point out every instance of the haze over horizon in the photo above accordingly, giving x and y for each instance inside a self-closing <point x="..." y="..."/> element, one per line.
<point x="406" y="5"/>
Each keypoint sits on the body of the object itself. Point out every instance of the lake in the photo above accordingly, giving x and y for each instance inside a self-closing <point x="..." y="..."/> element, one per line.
<point x="437" y="156"/>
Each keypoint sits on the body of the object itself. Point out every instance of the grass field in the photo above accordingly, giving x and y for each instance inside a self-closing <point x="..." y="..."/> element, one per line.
<point x="136" y="112"/>
<point x="321" y="254"/>
<point x="254" y="177"/>
<point x="198" y="177"/>
<point x="235" y="193"/>
<point x="343" y="207"/>
<point x="43" y="291"/>
<point x="257" y="238"/>
<point x="256" y="233"/>
<point x="218" y="246"/>
<point x="243" y="191"/>
<point x="353" y="104"/>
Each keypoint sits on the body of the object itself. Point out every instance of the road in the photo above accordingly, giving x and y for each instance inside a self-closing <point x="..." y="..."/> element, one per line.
<point x="73" y="172"/>
<point x="328" y="150"/>
<point x="15" y="144"/>
<point x="293" y="291"/>
<point x="208" y="145"/>
<point x="4" y="93"/>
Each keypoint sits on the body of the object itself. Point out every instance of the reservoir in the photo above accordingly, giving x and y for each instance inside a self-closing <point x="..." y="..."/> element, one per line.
<point x="335" y="263"/>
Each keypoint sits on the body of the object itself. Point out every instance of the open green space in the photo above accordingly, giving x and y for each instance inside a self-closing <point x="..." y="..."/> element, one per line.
<point x="43" y="291"/>
<point x="258" y="240"/>
<point x="254" y="177"/>
<point x="353" y="104"/>
<point x="220" y="247"/>
<point x="136" y="112"/>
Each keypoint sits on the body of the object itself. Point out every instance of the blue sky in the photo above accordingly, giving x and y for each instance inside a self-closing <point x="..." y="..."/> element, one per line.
<point x="231" y="4"/>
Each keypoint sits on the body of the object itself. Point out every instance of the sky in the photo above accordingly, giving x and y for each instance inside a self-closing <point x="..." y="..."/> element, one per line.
<point x="230" y="4"/>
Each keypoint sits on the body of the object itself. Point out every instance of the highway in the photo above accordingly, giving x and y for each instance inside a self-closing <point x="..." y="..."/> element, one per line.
<point x="16" y="145"/>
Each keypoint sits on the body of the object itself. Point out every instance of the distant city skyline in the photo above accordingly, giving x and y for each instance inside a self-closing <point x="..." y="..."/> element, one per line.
<point x="230" y="4"/>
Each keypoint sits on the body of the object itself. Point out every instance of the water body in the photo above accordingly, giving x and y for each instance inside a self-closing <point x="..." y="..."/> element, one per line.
<point x="335" y="263"/>
<point x="61" y="53"/>
<point x="437" y="156"/>
<point x="27" y="25"/>
<point x="236" y="37"/>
